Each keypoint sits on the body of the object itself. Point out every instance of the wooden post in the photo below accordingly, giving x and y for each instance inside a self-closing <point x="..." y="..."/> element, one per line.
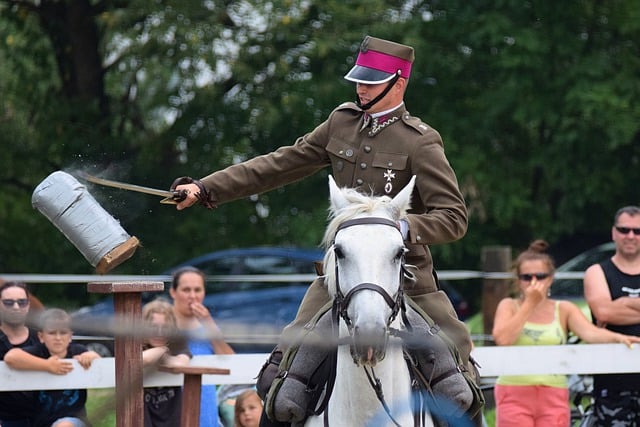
<point x="190" y="416"/>
<point x="494" y="259"/>
<point x="127" y="304"/>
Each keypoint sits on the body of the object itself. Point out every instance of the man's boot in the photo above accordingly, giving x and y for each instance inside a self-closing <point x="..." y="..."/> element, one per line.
<point x="303" y="372"/>
<point x="442" y="368"/>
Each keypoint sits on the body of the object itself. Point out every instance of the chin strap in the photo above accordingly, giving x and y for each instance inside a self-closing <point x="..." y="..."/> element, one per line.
<point x="375" y="100"/>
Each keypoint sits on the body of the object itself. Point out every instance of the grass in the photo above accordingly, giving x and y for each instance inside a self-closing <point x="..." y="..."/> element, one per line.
<point x="101" y="407"/>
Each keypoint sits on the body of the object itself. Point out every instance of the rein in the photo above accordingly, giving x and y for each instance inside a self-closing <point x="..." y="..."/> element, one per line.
<point x="339" y="310"/>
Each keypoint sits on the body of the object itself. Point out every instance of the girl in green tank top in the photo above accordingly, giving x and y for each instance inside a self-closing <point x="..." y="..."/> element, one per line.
<point x="531" y="318"/>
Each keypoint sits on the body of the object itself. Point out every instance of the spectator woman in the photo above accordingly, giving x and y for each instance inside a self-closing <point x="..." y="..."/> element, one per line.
<point x="188" y="291"/>
<point x="531" y="318"/>
<point x="16" y="407"/>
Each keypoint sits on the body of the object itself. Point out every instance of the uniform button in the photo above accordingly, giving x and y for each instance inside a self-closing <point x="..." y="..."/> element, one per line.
<point x="341" y="152"/>
<point x="390" y="164"/>
<point x="418" y="238"/>
<point x="367" y="148"/>
<point x="359" y="181"/>
<point x="363" y="165"/>
<point x="349" y="153"/>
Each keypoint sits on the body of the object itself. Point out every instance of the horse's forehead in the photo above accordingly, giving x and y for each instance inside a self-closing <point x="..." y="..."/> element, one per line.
<point x="372" y="236"/>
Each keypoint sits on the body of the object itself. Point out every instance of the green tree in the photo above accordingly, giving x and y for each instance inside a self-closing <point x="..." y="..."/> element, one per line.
<point x="536" y="103"/>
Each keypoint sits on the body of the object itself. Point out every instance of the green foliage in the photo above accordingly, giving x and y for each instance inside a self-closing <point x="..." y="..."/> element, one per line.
<point x="536" y="103"/>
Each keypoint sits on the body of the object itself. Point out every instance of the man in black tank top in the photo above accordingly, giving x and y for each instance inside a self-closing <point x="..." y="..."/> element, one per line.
<point x="612" y="290"/>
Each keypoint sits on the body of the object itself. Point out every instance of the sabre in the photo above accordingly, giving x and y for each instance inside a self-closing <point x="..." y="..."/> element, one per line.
<point x="170" y="197"/>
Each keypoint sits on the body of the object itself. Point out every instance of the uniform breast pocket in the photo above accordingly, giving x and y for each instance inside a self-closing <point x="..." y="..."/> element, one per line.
<point x="392" y="170"/>
<point x="343" y="158"/>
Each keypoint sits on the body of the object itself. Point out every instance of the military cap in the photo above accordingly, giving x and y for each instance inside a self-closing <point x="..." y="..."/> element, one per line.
<point x="380" y="60"/>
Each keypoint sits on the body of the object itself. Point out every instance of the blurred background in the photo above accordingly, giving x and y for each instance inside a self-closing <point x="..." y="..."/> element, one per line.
<point x="537" y="103"/>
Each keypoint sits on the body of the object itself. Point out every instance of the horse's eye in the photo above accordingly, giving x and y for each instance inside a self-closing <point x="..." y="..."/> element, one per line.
<point x="338" y="252"/>
<point x="400" y="254"/>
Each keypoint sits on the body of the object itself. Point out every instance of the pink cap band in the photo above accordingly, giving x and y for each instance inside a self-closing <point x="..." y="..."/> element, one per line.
<point x="383" y="62"/>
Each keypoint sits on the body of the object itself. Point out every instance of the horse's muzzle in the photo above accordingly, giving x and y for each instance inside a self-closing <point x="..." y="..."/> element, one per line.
<point x="369" y="346"/>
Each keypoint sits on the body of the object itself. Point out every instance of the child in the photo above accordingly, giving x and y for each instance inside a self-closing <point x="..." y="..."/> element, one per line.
<point x="162" y="405"/>
<point x="248" y="409"/>
<point x="56" y="408"/>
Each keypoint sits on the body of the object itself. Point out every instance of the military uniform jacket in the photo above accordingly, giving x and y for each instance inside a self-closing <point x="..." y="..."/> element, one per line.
<point x="376" y="156"/>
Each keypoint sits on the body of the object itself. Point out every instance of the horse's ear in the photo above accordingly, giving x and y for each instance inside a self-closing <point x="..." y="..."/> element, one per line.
<point x="402" y="201"/>
<point x="338" y="201"/>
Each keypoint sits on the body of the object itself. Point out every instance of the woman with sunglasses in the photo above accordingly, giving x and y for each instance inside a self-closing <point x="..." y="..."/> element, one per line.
<point x="531" y="318"/>
<point x="16" y="407"/>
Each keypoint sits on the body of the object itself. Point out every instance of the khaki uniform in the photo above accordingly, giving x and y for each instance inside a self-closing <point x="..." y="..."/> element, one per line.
<point x="376" y="156"/>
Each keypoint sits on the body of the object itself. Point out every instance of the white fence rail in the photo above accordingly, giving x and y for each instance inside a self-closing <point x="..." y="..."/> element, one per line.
<point x="86" y="278"/>
<point x="494" y="361"/>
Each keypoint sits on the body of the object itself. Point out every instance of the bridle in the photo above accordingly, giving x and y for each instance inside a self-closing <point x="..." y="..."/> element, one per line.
<point x="342" y="301"/>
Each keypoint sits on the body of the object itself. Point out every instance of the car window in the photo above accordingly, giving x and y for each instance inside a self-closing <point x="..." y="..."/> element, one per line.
<point x="222" y="266"/>
<point x="587" y="259"/>
<point x="268" y="265"/>
<point x="304" y="266"/>
<point x="573" y="288"/>
<point x="253" y="264"/>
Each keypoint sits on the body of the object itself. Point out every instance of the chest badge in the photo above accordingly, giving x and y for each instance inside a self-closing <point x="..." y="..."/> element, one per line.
<point x="389" y="175"/>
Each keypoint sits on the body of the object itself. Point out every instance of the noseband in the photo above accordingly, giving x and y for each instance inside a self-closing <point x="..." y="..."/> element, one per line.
<point x="341" y="301"/>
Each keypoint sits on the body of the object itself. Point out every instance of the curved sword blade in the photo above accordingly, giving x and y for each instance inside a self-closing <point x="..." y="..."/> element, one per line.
<point x="170" y="197"/>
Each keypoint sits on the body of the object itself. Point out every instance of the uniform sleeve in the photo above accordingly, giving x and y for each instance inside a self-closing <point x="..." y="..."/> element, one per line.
<point x="443" y="217"/>
<point x="267" y="172"/>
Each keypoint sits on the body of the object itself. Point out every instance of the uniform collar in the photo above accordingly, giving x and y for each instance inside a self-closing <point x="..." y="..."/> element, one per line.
<point x="378" y="121"/>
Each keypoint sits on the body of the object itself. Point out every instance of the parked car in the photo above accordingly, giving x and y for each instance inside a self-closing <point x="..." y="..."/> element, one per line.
<point x="572" y="287"/>
<point x="241" y="306"/>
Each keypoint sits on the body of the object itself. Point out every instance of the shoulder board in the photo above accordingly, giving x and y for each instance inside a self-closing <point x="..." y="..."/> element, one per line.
<point x="416" y="123"/>
<point x="348" y="106"/>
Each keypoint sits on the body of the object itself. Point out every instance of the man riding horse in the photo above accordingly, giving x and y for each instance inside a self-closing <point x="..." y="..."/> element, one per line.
<point x="375" y="146"/>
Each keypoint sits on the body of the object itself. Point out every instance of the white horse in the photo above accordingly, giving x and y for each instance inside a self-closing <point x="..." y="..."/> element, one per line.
<point x="364" y="266"/>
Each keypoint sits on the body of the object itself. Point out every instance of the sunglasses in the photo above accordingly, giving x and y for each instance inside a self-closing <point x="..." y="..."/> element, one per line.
<point x="529" y="277"/>
<point x="9" y="303"/>
<point x="626" y="230"/>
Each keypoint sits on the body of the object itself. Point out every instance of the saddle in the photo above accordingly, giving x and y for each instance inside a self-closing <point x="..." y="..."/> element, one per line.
<point x="297" y="383"/>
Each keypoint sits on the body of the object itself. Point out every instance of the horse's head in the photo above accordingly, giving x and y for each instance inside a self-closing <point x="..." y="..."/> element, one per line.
<point x="364" y="265"/>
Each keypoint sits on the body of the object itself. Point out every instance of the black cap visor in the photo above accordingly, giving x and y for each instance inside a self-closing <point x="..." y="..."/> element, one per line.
<point x="365" y="75"/>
